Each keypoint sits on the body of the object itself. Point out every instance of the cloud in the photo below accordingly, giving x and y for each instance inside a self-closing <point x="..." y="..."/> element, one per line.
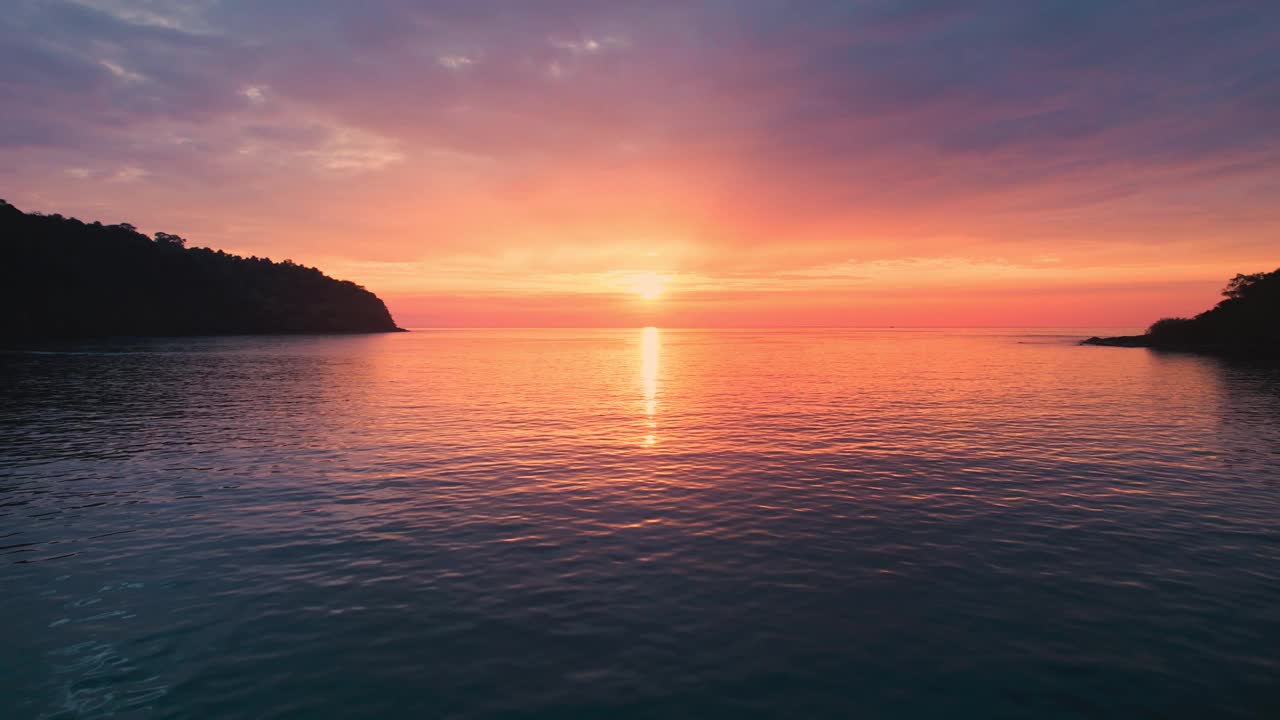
<point x="764" y="137"/>
<point x="125" y="76"/>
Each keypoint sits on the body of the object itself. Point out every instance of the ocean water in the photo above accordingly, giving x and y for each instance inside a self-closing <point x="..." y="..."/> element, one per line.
<point x="638" y="523"/>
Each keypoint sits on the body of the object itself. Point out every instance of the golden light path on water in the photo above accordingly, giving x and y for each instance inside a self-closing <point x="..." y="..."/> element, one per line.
<point x="650" y="344"/>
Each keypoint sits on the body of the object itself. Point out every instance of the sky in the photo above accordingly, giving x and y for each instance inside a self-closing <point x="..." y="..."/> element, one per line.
<point x="680" y="164"/>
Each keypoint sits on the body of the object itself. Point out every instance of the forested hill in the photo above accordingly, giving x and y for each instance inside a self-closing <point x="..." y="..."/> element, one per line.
<point x="1245" y="323"/>
<point x="63" y="278"/>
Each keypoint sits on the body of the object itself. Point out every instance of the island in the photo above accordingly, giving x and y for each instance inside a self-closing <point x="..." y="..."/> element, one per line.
<point x="64" y="278"/>
<point x="1246" y="323"/>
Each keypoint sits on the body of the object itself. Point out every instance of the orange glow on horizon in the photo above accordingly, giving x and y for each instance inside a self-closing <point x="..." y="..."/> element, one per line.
<point x="482" y="176"/>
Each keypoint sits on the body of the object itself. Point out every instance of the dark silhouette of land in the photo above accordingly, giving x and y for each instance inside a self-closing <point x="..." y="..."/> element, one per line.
<point x="63" y="278"/>
<point x="1246" y="323"/>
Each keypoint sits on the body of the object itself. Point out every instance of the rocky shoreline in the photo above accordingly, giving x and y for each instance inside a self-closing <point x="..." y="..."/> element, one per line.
<point x="1119" y="341"/>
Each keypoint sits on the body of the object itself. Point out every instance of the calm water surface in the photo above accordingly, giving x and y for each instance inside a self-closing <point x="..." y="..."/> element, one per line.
<point x="657" y="523"/>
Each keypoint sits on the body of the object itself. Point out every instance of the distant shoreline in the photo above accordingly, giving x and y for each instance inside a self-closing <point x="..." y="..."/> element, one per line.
<point x="1146" y="341"/>
<point x="1129" y="341"/>
<point x="27" y="339"/>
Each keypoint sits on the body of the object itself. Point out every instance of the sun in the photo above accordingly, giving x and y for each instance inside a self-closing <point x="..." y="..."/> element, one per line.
<point x="648" y="285"/>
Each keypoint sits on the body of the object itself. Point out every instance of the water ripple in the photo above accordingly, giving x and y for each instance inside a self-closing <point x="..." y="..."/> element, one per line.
<point x="640" y="523"/>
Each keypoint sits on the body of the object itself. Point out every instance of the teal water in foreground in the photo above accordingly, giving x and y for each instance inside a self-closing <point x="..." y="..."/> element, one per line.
<point x="628" y="523"/>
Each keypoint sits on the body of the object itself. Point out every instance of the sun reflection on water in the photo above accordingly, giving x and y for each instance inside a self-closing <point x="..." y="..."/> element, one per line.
<point x="650" y="343"/>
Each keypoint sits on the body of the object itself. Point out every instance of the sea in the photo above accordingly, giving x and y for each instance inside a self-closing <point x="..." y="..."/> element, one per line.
<point x="638" y="523"/>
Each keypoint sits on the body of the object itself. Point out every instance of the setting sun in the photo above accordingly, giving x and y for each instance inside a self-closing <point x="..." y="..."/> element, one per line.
<point x="648" y="285"/>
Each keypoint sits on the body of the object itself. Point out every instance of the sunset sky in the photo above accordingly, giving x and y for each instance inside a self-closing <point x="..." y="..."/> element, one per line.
<point x="744" y="162"/>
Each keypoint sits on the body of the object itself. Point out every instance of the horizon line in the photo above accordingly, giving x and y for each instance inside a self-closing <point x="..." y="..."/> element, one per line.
<point x="770" y="327"/>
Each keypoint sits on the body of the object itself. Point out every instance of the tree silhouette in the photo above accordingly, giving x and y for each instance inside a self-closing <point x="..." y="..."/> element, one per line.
<point x="1246" y="321"/>
<point x="165" y="238"/>
<point x="65" y="278"/>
